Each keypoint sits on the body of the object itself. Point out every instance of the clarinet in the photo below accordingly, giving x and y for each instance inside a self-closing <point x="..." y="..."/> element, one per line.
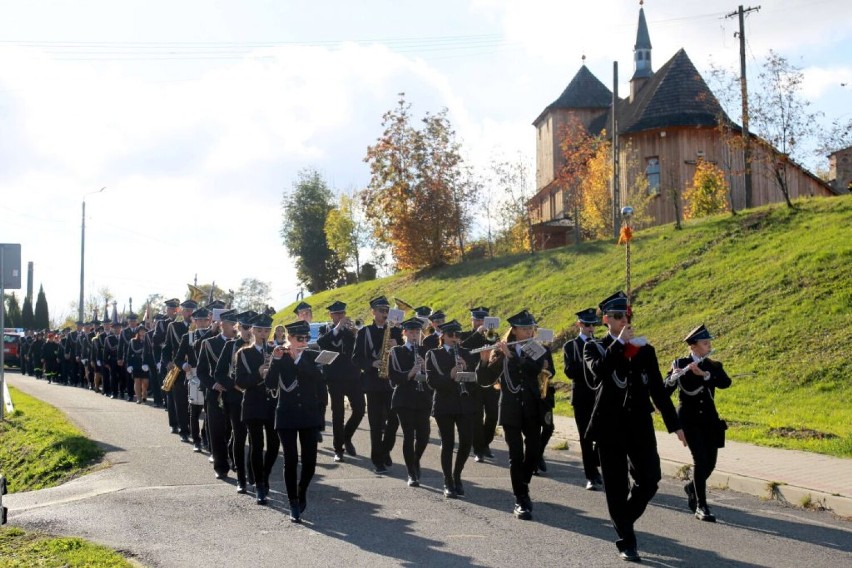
<point x="463" y="390"/>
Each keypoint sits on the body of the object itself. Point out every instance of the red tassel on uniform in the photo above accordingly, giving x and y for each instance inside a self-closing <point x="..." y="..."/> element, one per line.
<point x="625" y="236"/>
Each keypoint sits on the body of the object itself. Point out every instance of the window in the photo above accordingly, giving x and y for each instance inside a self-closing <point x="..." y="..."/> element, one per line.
<point x="652" y="172"/>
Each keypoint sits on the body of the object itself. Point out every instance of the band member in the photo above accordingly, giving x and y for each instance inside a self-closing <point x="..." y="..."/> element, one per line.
<point x="217" y="417"/>
<point x="485" y="421"/>
<point x="343" y="380"/>
<point x="159" y="337"/>
<point x="98" y="344"/>
<point x="582" y="393"/>
<point x="179" y="398"/>
<point x="111" y="357"/>
<point x="368" y="357"/>
<point x="233" y="396"/>
<point x="67" y="341"/>
<point x="128" y="333"/>
<point x="188" y="353"/>
<point x="305" y="313"/>
<point x="436" y="320"/>
<point x="259" y="404"/>
<point x="523" y="409"/>
<point x="36" y="355"/>
<point x="696" y="378"/>
<point x="452" y="405"/>
<point x="140" y="359"/>
<point x="625" y="375"/>
<point x="51" y="354"/>
<point x="300" y="390"/>
<point x="412" y="398"/>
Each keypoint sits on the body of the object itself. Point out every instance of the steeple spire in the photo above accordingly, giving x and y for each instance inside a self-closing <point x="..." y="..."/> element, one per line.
<point x="641" y="54"/>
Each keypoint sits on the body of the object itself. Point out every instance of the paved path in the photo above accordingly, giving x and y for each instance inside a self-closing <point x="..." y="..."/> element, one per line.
<point x="159" y="502"/>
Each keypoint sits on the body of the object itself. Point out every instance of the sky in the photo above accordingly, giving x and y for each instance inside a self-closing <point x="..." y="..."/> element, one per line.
<point x="197" y="115"/>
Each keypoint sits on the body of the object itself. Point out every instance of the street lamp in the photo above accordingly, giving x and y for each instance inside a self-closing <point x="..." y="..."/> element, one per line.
<point x="83" y="252"/>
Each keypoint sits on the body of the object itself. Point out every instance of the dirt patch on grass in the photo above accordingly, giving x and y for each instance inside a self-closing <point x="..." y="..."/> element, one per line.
<point x="801" y="433"/>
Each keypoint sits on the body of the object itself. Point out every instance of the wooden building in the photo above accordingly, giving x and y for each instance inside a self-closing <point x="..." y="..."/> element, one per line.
<point x="669" y="122"/>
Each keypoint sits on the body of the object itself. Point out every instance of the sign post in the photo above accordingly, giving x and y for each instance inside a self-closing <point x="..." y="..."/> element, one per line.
<point x="10" y="277"/>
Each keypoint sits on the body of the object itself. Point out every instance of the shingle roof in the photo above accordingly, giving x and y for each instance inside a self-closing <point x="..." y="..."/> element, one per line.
<point x="584" y="91"/>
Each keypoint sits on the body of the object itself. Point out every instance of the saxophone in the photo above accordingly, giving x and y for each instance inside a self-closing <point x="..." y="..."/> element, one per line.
<point x="384" y="355"/>
<point x="544" y="380"/>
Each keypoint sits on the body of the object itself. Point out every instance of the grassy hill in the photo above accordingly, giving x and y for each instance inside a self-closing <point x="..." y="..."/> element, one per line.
<point x="773" y="285"/>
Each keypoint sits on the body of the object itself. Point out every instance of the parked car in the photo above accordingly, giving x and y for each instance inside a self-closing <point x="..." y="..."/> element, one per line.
<point x="12" y="347"/>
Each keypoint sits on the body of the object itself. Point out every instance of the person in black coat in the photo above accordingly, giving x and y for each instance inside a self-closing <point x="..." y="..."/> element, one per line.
<point x="625" y="373"/>
<point x="523" y="410"/>
<point x="343" y="379"/>
<point x="696" y="379"/>
<point x="368" y="357"/>
<point x="436" y="320"/>
<point x="487" y="399"/>
<point x="582" y="393"/>
<point x="187" y="356"/>
<point x="452" y="404"/>
<point x="178" y="397"/>
<point x="252" y="364"/>
<point x="51" y="353"/>
<point x="139" y="359"/>
<point x="301" y="394"/>
<point x="111" y="356"/>
<point x="412" y="398"/>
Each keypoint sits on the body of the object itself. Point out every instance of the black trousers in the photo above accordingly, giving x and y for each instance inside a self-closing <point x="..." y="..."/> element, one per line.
<point x="180" y="404"/>
<point x="218" y="430"/>
<point x="383" y="426"/>
<point x="582" y="415"/>
<point x="524" y="451"/>
<point x="168" y="396"/>
<point x="262" y="462"/>
<point x="486" y="420"/>
<point x="195" y="421"/>
<point x="239" y="432"/>
<point x="116" y="380"/>
<point x="704" y="454"/>
<point x="307" y="439"/>
<point x="631" y="453"/>
<point x="447" y="426"/>
<point x="343" y="432"/>
<point x="415" y="437"/>
<point x="546" y="432"/>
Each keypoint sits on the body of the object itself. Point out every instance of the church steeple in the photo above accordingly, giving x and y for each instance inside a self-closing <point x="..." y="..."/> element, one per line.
<point x="642" y="70"/>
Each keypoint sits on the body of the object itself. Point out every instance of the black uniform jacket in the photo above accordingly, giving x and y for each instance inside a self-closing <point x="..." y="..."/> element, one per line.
<point x="225" y="373"/>
<point x="368" y="348"/>
<point x="139" y="352"/>
<point x="697" y="407"/>
<point x="343" y="372"/>
<point x="208" y="358"/>
<point x="449" y="397"/>
<point x="258" y="402"/>
<point x="520" y="395"/>
<point x="301" y="391"/>
<point x="408" y="393"/>
<point x="582" y="393"/>
<point x="176" y="330"/>
<point x="431" y="341"/>
<point x="111" y="355"/>
<point x="616" y="405"/>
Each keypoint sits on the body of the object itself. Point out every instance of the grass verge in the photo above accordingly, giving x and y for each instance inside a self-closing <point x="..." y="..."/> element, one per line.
<point x="22" y="549"/>
<point x="40" y="447"/>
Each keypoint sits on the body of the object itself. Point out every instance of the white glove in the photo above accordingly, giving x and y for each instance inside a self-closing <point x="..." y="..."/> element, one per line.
<point x="159" y="365"/>
<point x="130" y="370"/>
<point x="145" y="368"/>
<point x="85" y="361"/>
<point x="186" y="367"/>
<point x="99" y="363"/>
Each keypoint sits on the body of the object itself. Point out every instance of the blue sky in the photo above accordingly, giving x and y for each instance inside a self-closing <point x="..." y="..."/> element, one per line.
<point x="197" y="115"/>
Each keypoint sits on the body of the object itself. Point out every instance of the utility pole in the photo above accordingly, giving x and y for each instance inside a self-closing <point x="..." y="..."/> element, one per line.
<point x="740" y="13"/>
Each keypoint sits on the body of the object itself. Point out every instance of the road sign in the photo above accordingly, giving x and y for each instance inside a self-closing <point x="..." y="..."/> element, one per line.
<point x="11" y="266"/>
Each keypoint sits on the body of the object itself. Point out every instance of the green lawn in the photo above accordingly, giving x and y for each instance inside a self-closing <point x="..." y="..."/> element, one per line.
<point x="20" y="549"/>
<point x="40" y="448"/>
<point x="773" y="285"/>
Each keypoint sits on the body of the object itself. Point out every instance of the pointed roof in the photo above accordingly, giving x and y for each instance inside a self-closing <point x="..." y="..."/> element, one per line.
<point x="584" y="91"/>
<point x="643" y="38"/>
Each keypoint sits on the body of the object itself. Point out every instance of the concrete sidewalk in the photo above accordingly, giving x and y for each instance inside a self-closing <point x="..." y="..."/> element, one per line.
<point x="789" y="476"/>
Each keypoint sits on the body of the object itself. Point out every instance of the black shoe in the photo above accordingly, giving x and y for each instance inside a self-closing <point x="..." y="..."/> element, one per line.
<point x="522" y="513"/>
<point x="542" y="465"/>
<point x="388" y="460"/>
<point x="458" y="486"/>
<point x="241" y="488"/>
<point x="380" y="469"/>
<point x="196" y="448"/>
<point x="487" y="453"/>
<point x="174" y="430"/>
<point x="261" y="492"/>
<point x="184" y="438"/>
<point x="691" y="498"/>
<point x="630" y="555"/>
<point x="702" y="513"/>
<point x="221" y="475"/>
<point x="350" y="448"/>
<point x="295" y="514"/>
<point x="478" y="458"/>
<point x="338" y="457"/>
<point x="592" y="485"/>
<point x="412" y="482"/>
<point x="450" y="491"/>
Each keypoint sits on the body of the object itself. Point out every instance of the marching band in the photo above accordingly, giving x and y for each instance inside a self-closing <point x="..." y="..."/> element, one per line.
<point x="214" y="363"/>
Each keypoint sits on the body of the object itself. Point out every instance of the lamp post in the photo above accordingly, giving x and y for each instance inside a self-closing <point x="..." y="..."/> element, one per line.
<point x="80" y="307"/>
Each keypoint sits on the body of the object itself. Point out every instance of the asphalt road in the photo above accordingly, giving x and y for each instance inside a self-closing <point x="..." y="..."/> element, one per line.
<point x="159" y="503"/>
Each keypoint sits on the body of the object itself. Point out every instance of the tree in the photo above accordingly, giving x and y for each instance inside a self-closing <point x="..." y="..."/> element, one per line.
<point x="13" y="311"/>
<point x="252" y="294"/>
<point x="780" y="115"/>
<point x="41" y="318"/>
<point x="837" y="136"/>
<point x="368" y="272"/>
<point x="511" y="180"/>
<point x="305" y="211"/>
<point x="27" y="317"/>
<point x="596" y="202"/>
<point x="346" y="231"/>
<point x="419" y="197"/>
<point x="706" y="196"/>
<point x="578" y="147"/>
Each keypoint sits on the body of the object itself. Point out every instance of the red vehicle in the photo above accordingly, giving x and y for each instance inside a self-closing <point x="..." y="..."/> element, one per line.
<point x="12" y="347"/>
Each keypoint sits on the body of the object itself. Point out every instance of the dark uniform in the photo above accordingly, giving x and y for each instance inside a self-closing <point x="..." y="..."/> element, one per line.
<point x="178" y="397"/>
<point x="110" y="361"/>
<point x="139" y="360"/>
<point x="159" y="339"/>
<point x="343" y="379"/>
<point x="36" y="355"/>
<point x="523" y="411"/>
<point x="704" y="430"/>
<point x="453" y="407"/>
<point x="301" y="393"/>
<point x="485" y="421"/>
<point x="583" y="397"/>
<point x="383" y="422"/>
<point x="626" y="376"/>
<point x="98" y="359"/>
<point x="125" y="377"/>
<point x="433" y="340"/>
<point x="51" y="354"/>
<point x="188" y="353"/>
<point x="411" y="400"/>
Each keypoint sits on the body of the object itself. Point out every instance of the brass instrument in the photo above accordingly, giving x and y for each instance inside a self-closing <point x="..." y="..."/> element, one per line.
<point x="384" y="355"/>
<point x="544" y="377"/>
<point x="171" y="377"/>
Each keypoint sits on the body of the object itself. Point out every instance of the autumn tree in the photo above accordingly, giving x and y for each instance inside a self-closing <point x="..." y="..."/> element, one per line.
<point x="346" y="231"/>
<point x="419" y="196"/>
<point x="707" y="194"/>
<point x="253" y="294"/>
<point x="578" y="148"/>
<point x="305" y="210"/>
<point x="511" y="189"/>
